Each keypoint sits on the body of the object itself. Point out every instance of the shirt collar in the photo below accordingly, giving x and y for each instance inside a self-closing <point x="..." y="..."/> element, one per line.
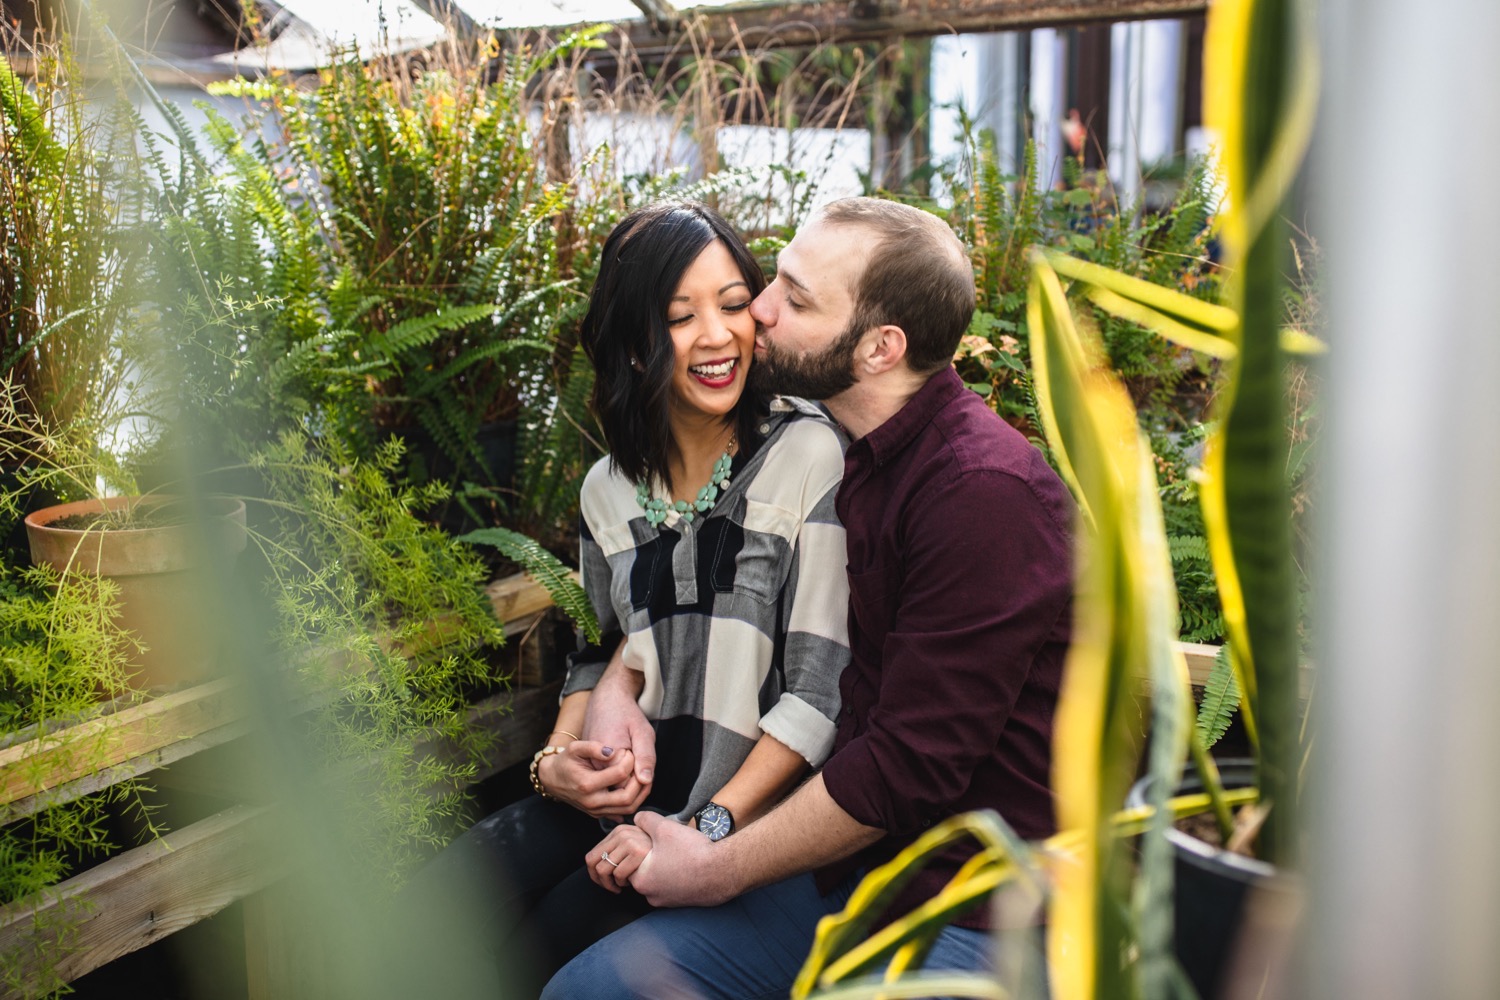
<point x="891" y="437"/>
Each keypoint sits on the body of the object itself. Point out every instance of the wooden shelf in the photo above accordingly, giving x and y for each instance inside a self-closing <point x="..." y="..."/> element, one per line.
<point x="144" y="894"/>
<point x="141" y="896"/>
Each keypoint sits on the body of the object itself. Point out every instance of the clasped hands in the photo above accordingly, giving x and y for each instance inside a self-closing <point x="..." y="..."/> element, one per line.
<point x="615" y="785"/>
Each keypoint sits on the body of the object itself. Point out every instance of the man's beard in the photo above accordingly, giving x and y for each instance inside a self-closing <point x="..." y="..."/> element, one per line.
<point x="811" y="376"/>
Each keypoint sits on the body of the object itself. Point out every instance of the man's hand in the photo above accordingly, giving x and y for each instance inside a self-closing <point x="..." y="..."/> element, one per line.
<point x="683" y="867"/>
<point x="614" y="718"/>
<point x="594" y="778"/>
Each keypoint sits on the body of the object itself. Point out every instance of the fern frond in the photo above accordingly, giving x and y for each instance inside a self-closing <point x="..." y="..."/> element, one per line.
<point x="1184" y="547"/>
<point x="420" y="330"/>
<point x="1221" y="696"/>
<point x="546" y="569"/>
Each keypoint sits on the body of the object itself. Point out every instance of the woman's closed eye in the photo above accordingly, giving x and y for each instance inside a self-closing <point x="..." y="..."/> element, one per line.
<point x="731" y="308"/>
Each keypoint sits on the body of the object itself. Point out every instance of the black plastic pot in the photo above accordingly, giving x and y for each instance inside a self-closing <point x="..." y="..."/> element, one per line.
<point x="1211" y="888"/>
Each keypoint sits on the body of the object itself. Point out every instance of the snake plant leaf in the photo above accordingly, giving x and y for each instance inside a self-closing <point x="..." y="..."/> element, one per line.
<point x="1090" y="426"/>
<point x="1005" y="860"/>
<point x="839" y="949"/>
<point x="1262" y="75"/>
<point x="1295" y="341"/>
<point x="1164" y="326"/>
<point x="1125" y="619"/>
<point x="547" y="569"/>
<point x="922" y="984"/>
<point x="1047" y="307"/>
<point x="1184" y="309"/>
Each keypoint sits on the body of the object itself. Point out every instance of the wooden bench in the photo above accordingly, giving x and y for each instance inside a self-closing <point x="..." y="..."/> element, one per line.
<point x="142" y="895"/>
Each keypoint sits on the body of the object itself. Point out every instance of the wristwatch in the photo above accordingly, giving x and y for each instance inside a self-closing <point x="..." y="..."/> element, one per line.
<point x="714" y="821"/>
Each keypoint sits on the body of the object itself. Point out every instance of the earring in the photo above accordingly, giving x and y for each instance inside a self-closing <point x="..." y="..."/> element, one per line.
<point x="635" y="363"/>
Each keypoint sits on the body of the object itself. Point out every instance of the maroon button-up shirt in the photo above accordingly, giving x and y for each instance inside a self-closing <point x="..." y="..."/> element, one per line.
<point x="960" y="597"/>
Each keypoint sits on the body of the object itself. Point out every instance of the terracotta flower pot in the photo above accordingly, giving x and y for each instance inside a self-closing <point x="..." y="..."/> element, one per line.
<point x="168" y="597"/>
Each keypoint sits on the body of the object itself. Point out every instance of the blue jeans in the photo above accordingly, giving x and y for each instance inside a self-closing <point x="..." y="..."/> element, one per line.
<point x="504" y="906"/>
<point x="749" y="948"/>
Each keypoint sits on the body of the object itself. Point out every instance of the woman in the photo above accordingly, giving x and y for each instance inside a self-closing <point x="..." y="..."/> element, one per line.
<point x="714" y="560"/>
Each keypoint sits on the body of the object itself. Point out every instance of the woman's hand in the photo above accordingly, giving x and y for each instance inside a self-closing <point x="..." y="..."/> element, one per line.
<point x="615" y="858"/>
<point x="594" y="779"/>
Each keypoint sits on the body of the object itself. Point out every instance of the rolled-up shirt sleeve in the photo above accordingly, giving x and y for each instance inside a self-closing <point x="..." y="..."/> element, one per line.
<point x="984" y="581"/>
<point x="815" y="606"/>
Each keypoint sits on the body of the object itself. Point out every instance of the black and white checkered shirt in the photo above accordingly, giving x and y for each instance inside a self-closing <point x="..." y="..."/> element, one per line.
<point x="739" y="619"/>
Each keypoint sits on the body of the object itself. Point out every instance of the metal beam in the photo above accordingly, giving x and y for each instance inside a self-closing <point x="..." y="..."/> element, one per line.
<point x="451" y="15"/>
<point x="811" y="22"/>
<point x="663" y="18"/>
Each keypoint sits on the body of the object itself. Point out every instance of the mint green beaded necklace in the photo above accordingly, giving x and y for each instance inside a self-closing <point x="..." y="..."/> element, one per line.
<point x="657" y="509"/>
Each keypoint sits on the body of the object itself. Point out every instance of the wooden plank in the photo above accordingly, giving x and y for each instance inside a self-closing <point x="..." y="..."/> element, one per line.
<point x="57" y="758"/>
<point x="134" y="767"/>
<point x="141" y="896"/>
<point x="517" y="597"/>
<point x="1200" y="660"/>
<point x="93" y="754"/>
<point x="806" y="23"/>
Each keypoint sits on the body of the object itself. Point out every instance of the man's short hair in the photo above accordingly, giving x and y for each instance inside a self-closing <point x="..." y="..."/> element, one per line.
<point x="919" y="278"/>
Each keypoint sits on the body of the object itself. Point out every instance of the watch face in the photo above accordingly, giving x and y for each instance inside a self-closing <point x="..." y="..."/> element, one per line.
<point x="715" y="821"/>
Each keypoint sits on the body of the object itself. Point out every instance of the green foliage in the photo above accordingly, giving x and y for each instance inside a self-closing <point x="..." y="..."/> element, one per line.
<point x="557" y="449"/>
<point x="67" y="264"/>
<point x="1199" y="617"/>
<point x="1001" y="216"/>
<point x="548" y="571"/>
<point x="60" y="647"/>
<point x="42" y="851"/>
<point x="1221" y="696"/>
<point x="387" y="611"/>
<point x="374" y="254"/>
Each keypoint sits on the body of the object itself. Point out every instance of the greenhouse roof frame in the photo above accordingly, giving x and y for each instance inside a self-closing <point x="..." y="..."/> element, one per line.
<point x="792" y="23"/>
<point x="663" y="29"/>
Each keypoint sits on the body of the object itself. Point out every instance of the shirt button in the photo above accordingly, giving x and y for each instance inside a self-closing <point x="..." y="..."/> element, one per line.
<point x="765" y="428"/>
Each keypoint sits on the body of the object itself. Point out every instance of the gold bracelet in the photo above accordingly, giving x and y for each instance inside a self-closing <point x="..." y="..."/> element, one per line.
<point x="536" y="778"/>
<point x="564" y="732"/>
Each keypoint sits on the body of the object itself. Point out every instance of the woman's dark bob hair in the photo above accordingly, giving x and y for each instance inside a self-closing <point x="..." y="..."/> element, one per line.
<point x="640" y="268"/>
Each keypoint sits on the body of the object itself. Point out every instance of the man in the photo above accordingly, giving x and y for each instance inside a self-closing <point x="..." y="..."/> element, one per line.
<point x="958" y="623"/>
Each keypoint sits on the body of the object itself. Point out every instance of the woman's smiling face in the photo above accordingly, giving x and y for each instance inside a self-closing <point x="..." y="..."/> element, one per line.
<point x="713" y="336"/>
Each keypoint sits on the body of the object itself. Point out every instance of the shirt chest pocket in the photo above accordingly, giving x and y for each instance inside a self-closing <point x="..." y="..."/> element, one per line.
<point x="753" y="553"/>
<point x="634" y="575"/>
<point x="873" y="596"/>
